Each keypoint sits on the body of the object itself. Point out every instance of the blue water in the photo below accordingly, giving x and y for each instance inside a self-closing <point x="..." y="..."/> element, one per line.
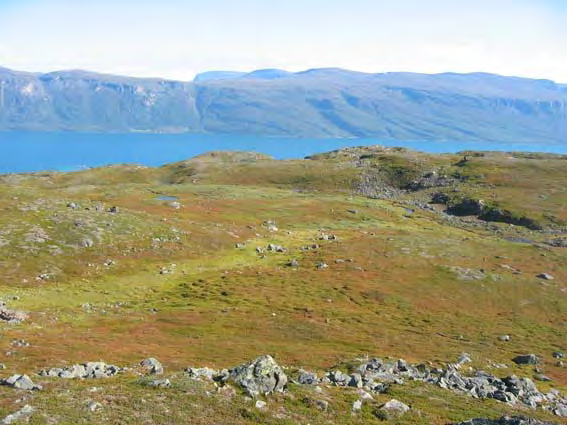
<point x="167" y="198"/>
<point x="26" y="152"/>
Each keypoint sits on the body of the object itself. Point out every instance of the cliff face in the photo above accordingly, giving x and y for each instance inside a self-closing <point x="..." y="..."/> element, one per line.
<point x="317" y="103"/>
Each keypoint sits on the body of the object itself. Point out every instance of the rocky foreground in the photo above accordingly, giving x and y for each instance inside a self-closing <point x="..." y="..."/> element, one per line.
<point x="229" y="255"/>
<point x="257" y="380"/>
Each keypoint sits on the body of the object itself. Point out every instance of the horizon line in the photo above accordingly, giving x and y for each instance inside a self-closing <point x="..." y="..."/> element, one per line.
<point x="248" y="72"/>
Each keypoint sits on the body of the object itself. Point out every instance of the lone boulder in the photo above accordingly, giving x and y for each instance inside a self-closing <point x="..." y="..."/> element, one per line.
<point x="528" y="359"/>
<point x="21" y="382"/>
<point x="152" y="366"/>
<point x="260" y="376"/>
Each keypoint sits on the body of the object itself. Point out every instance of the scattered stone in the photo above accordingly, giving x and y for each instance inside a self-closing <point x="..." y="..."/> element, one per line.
<point x="545" y="276"/>
<point x="321" y="266"/>
<point x="90" y="370"/>
<point x="240" y="245"/>
<point x="557" y="243"/>
<point x="159" y="383"/>
<point x="20" y="382"/>
<point x="113" y="210"/>
<point x="276" y="248"/>
<point x="504" y="338"/>
<point x="293" y="263"/>
<point x="20" y="343"/>
<point x="307" y="378"/>
<point x="528" y="359"/>
<point x="94" y="406"/>
<point x="87" y="243"/>
<point x="542" y="378"/>
<point x="558" y="355"/>
<point x="201" y="373"/>
<point x="310" y="247"/>
<point x="325" y="237"/>
<point x="12" y="316"/>
<point x="152" y="366"/>
<point x="357" y="406"/>
<point x="23" y="414"/>
<point x="322" y="405"/>
<point x="270" y="225"/>
<point x="462" y="360"/>
<point x="167" y="270"/>
<point x="468" y="274"/>
<point x="260" y="376"/>
<point x="261" y="404"/>
<point x="395" y="407"/>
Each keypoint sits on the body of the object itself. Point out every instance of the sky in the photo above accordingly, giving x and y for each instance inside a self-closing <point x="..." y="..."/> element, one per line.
<point x="178" y="38"/>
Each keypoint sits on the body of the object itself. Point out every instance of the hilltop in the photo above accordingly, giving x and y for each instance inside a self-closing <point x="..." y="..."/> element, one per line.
<point x="338" y="266"/>
<point x="318" y="103"/>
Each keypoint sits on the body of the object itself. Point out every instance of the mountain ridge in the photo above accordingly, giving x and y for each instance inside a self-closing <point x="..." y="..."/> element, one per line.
<point x="317" y="103"/>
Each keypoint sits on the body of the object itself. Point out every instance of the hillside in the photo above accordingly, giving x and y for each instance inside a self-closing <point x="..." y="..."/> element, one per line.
<point x="316" y="103"/>
<point x="338" y="266"/>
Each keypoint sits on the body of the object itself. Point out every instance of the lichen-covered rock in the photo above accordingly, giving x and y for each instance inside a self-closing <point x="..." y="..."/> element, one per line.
<point x="260" y="376"/>
<point x="86" y="370"/>
<point x="395" y="407"/>
<point x="307" y="378"/>
<point x="21" y="415"/>
<point x="201" y="373"/>
<point x="152" y="366"/>
<point x="21" y="382"/>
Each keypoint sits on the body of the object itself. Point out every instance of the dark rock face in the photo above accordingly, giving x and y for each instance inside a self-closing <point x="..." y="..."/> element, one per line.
<point x="477" y="207"/>
<point x="467" y="207"/>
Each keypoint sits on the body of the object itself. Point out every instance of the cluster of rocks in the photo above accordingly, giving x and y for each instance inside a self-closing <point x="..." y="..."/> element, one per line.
<point x="20" y="382"/>
<point x="276" y="248"/>
<point x="310" y="247"/>
<point x="431" y="179"/>
<point x="557" y="242"/>
<point x="270" y="225"/>
<point x="90" y="370"/>
<point x="167" y="269"/>
<point x="264" y="376"/>
<point x="376" y="376"/>
<point x="261" y="376"/>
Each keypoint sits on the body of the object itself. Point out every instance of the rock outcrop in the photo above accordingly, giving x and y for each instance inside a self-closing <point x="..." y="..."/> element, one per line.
<point x="260" y="376"/>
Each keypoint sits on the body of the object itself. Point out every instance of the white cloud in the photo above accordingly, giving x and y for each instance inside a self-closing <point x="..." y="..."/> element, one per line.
<point x="175" y="38"/>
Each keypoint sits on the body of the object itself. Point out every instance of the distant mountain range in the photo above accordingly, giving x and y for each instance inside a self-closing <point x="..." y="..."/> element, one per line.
<point x="316" y="103"/>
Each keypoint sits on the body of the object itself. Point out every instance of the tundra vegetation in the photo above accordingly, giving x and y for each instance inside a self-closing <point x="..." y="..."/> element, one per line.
<point x="233" y="288"/>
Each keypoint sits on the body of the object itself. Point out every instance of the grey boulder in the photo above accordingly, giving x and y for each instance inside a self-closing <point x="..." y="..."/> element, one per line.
<point x="260" y="376"/>
<point x="21" y="382"/>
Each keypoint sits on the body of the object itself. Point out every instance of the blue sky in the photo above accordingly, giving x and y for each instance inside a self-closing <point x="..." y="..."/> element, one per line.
<point x="176" y="38"/>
